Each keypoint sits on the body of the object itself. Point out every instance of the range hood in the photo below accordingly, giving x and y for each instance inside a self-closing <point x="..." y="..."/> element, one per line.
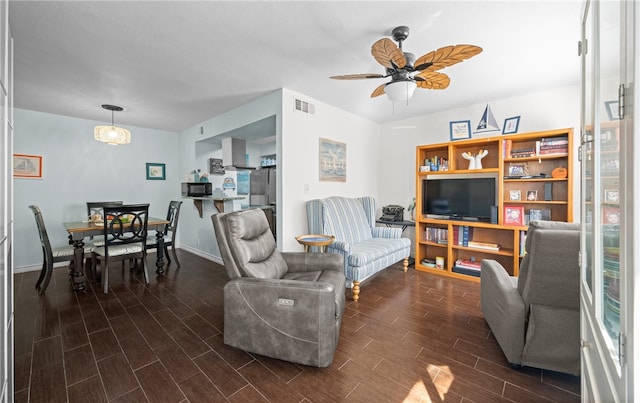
<point x="234" y="154"/>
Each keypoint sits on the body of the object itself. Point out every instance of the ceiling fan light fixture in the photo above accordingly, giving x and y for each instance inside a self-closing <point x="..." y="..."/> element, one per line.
<point x="400" y="91"/>
<point x="112" y="135"/>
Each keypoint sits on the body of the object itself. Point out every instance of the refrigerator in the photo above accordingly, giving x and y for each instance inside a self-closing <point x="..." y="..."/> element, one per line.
<point x="262" y="188"/>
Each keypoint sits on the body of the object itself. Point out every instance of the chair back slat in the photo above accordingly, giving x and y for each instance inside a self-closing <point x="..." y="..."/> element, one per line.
<point x="128" y="224"/>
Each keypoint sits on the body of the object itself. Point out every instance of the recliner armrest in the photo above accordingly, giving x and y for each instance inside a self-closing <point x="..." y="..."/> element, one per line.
<point x="302" y="261"/>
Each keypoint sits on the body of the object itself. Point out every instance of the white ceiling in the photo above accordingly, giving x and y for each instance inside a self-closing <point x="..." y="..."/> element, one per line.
<point x="175" y="64"/>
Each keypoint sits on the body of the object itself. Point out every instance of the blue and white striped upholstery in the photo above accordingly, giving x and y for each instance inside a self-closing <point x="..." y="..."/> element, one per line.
<point x="366" y="248"/>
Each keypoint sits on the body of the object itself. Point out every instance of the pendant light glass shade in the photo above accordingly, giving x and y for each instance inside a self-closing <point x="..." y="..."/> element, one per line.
<point x="400" y="91"/>
<point x="113" y="134"/>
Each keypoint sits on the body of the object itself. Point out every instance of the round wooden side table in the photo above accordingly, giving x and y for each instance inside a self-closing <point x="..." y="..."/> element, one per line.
<point x="319" y="240"/>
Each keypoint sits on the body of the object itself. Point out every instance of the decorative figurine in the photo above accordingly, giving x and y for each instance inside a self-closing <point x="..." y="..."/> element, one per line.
<point x="475" y="161"/>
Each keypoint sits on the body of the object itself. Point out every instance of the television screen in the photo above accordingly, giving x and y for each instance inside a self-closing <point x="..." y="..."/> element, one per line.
<point x="459" y="198"/>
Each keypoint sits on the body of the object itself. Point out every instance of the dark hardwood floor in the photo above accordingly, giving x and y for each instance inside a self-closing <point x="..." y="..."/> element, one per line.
<point x="412" y="337"/>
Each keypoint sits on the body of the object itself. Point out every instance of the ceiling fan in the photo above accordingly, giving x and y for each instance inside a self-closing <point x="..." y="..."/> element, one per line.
<point x="406" y="71"/>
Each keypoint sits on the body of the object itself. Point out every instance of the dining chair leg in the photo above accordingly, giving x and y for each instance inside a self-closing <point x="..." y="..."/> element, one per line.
<point x="105" y="276"/>
<point x="175" y="255"/>
<point x="145" y="273"/>
<point x="42" y="273"/>
<point x="47" y="277"/>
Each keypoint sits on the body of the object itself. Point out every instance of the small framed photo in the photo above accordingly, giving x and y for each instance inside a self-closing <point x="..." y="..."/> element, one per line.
<point x="517" y="170"/>
<point x="513" y="215"/>
<point x="514" y="195"/>
<point x="511" y="125"/>
<point x="27" y="166"/>
<point x="610" y="215"/>
<point x="215" y="166"/>
<point x="611" y="196"/>
<point x="460" y="130"/>
<point x="612" y="110"/>
<point x="532" y="195"/>
<point x="155" y="171"/>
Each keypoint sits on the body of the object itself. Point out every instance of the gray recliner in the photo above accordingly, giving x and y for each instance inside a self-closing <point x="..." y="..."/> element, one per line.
<point x="536" y="317"/>
<point x="285" y="305"/>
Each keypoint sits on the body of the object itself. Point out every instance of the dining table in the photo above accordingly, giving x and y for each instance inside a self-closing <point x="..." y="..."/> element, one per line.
<point x="79" y="230"/>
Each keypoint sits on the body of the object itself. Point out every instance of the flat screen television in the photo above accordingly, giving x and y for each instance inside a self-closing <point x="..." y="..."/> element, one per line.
<point x="459" y="198"/>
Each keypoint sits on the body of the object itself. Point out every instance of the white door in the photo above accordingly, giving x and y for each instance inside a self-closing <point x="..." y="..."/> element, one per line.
<point x="606" y="165"/>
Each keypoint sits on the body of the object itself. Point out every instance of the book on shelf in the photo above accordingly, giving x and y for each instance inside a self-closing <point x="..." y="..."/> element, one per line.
<point x="554" y="141"/>
<point x="468" y="264"/>
<point x="484" y="245"/>
<point x="522" y="153"/>
<point x="506" y="149"/>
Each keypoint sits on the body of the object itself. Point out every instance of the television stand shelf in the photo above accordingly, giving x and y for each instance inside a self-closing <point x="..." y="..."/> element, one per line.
<point x="522" y="165"/>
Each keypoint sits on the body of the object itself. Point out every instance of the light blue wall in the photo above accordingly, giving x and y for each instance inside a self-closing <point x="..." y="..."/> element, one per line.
<point x="77" y="169"/>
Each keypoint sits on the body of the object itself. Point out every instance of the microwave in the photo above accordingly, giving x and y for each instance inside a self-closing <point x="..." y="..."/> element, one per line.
<point x="196" y="189"/>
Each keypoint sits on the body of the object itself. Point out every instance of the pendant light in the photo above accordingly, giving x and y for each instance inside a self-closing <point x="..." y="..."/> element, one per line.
<point x="113" y="134"/>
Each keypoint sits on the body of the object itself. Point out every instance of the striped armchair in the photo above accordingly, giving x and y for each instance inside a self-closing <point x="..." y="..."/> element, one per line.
<point x="366" y="249"/>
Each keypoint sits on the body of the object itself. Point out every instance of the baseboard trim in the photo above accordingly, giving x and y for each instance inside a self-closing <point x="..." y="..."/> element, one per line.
<point x="38" y="267"/>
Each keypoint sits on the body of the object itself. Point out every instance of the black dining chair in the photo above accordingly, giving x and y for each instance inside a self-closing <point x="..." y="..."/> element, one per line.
<point x="170" y="231"/>
<point x="98" y="208"/>
<point x="51" y="254"/>
<point x="125" y="237"/>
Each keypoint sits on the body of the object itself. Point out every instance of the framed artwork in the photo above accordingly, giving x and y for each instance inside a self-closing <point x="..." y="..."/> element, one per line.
<point x="27" y="166"/>
<point x="514" y="195"/>
<point x="460" y="130"/>
<point x="513" y="215"/>
<point x="612" y="110"/>
<point x="215" y="166"/>
<point x="332" y="160"/>
<point x="532" y="195"/>
<point x="517" y="170"/>
<point x="155" y="171"/>
<point x="610" y="215"/>
<point x="511" y="125"/>
<point x="611" y="196"/>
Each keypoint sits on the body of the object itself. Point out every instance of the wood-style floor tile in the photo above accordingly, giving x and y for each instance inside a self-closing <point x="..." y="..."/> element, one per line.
<point x="412" y="337"/>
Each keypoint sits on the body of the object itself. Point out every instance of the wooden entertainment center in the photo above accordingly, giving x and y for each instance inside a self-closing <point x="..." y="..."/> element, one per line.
<point x="534" y="177"/>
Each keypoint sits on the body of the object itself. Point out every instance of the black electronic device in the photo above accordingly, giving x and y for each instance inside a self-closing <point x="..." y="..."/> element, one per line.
<point x="548" y="191"/>
<point x="392" y="213"/>
<point x="470" y="198"/>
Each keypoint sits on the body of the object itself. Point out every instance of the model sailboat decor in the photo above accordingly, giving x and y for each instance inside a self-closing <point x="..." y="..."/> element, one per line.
<point x="487" y="122"/>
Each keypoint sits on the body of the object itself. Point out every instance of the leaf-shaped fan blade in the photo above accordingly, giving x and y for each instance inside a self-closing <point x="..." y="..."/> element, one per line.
<point x="388" y="54"/>
<point x="432" y="80"/>
<point x="357" y="76"/>
<point x="447" y="56"/>
<point x="378" y="91"/>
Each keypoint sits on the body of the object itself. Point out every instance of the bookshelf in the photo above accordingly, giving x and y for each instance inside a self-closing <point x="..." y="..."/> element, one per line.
<point x="534" y="174"/>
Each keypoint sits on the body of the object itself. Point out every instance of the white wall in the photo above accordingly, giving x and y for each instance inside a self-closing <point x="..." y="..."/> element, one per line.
<point x="300" y="165"/>
<point x="548" y="110"/>
<point x="77" y="169"/>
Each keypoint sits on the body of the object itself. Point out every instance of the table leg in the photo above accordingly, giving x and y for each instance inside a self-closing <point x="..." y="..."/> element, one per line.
<point x="160" y="252"/>
<point x="77" y="271"/>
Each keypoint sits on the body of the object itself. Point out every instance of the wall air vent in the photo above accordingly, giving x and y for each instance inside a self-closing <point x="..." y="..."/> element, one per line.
<point x="304" y="107"/>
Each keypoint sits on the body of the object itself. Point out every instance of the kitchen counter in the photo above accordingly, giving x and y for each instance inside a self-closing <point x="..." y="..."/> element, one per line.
<point x="218" y="202"/>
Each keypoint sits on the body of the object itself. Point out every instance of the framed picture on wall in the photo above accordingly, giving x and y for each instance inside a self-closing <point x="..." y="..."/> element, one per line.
<point x="27" y="166"/>
<point x="155" y="171"/>
<point x="333" y="161"/>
